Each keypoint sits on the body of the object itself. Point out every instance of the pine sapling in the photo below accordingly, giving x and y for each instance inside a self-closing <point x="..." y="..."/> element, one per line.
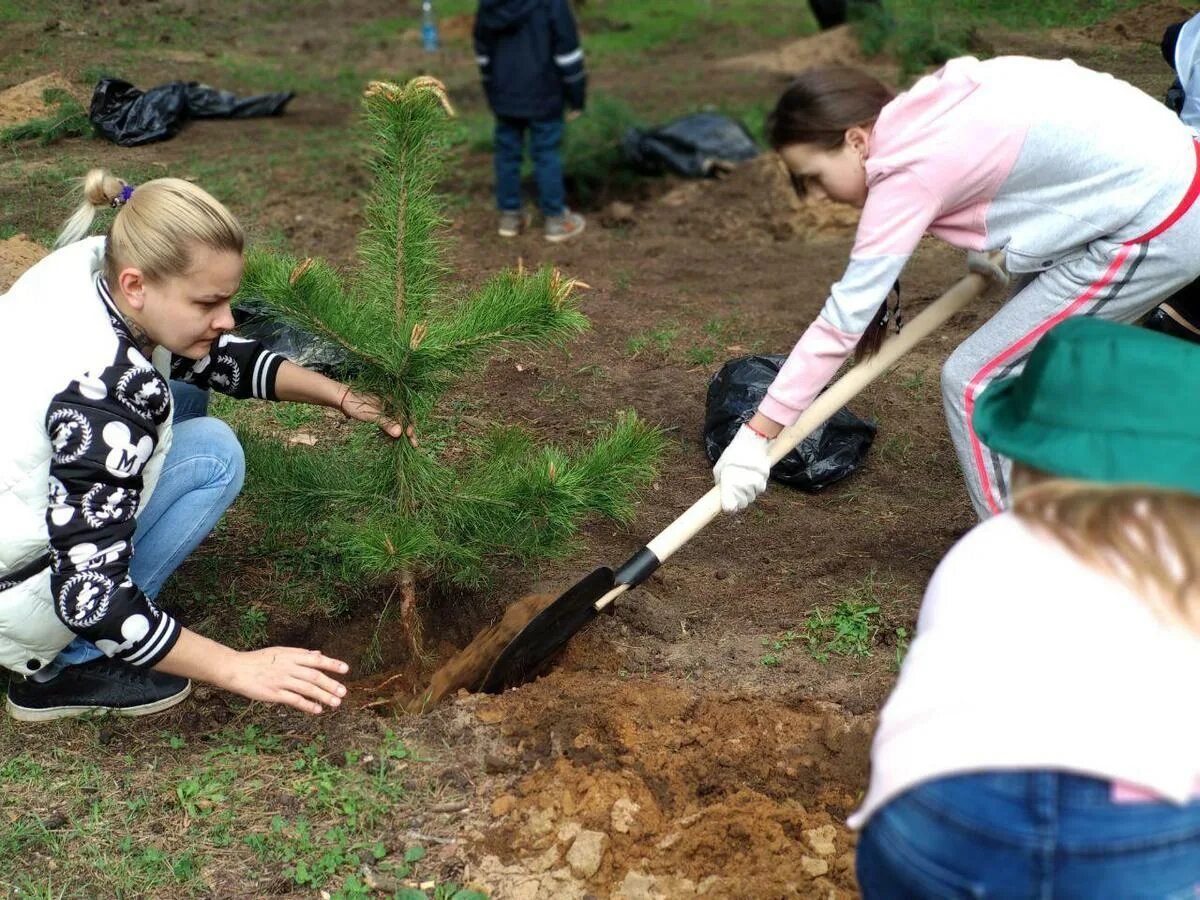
<point x="446" y="513"/>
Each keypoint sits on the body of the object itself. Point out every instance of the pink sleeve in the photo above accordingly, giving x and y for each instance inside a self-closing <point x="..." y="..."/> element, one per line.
<point x="898" y="210"/>
<point x="817" y="355"/>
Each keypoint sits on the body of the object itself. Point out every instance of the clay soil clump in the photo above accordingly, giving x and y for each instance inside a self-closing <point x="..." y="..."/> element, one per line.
<point x="647" y="788"/>
<point x="25" y="102"/>
<point x="17" y="254"/>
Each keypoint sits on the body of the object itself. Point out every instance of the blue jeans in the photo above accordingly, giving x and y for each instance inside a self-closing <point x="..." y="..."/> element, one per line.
<point x="200" y="478"/>
<point x="1028" y="834"/>
<point x="545" y="139"/>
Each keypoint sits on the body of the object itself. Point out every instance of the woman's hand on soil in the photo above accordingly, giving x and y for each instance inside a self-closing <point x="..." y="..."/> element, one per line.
<point x="289" y="675"/>
<point x="741" y="472"/>
<point x="367" y="408"/>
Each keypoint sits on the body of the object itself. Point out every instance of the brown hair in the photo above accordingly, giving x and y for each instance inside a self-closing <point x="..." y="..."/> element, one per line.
<point x="818" y="108"/>
<point x="821" y="104"/>
<point x="156" y="228"/>
<point x="1146" y="537"/>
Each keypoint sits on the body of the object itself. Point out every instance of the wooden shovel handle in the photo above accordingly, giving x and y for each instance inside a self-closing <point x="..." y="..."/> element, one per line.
<point x="837" y="395"/>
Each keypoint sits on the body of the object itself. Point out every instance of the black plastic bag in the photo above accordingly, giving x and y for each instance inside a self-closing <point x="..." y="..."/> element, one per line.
<point x="829" y="454"/>
<point x="1179" y="314"/>
<point x="832" y="13"/>
<point x="259" y="322"/>
<point x="695" y="146"/>
<point x="129" y="116"/>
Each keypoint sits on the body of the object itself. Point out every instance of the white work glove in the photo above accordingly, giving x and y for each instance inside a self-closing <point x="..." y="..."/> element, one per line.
<point x="988" y="265"/>
<point x="742" y="470"/>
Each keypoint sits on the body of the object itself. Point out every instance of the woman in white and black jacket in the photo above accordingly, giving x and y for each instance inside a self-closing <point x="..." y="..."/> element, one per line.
<point x="106" y="483"/>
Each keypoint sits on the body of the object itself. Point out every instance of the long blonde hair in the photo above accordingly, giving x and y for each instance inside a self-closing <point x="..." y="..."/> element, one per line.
<point x="1146" y="537"/>
<point x="156" y="228"/>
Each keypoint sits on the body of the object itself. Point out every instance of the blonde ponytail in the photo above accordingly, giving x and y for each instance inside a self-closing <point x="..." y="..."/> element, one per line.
<point x="157" y="225"/>
<point x="1145" y="537"/>
<point x="100" y="188"/>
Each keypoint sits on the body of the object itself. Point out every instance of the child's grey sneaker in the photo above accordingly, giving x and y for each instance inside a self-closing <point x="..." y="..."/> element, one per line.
<point x="565" y="227"/>
<point x="511" y="223"/>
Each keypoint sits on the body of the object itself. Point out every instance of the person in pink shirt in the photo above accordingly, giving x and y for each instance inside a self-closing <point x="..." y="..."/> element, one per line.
<point x="1084" y="183"/>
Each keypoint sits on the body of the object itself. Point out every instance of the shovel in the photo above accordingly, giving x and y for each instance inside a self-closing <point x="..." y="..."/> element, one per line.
<point x="535" y="645"/>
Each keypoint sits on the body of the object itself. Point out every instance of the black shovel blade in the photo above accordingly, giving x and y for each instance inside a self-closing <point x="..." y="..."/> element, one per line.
<point x="535" y="646"/>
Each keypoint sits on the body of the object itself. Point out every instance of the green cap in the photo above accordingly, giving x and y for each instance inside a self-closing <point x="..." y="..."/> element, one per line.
<point x="1103" y="402"/>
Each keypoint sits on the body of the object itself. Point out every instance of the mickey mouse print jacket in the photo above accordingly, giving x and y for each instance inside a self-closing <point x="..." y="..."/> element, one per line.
<point x="104" y="431"/>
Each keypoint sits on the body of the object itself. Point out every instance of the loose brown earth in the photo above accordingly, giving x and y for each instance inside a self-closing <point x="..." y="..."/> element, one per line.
<point x="660" y="758"/>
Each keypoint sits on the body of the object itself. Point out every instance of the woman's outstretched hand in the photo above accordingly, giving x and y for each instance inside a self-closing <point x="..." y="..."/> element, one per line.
<point x="367" y="408"/>
<point x="288" y="675"/>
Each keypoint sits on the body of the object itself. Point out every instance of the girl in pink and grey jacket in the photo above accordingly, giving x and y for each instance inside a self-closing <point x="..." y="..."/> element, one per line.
<point x="1083" y="182"/>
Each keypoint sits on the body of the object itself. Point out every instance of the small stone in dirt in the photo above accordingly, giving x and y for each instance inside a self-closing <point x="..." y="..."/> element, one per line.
<point x="379" y="881"/>
<point x="707" y="884"/>
<point x="587" y="852"/>
<point x="617" y="213"/>
<point x="567" y="833"/>
<point x="503" y="805"/>
<point x="813" y="867"/>
<point x="821" y="839"/>
<point x="545" y="862"/>
<point x="541" y="821"/>
<point x="490" y="715"/>
<point x="669" y="841"/>
<point x="637" y="886"/>
<point x="495" y="764"/>
<point x="624" y="812"/>
<point x="526" y="890"/>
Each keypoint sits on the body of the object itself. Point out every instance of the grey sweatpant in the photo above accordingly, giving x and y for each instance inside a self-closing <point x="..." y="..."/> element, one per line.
<point x="1119" y="279"/>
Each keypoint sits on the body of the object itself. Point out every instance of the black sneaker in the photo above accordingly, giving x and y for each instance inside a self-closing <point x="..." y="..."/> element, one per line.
<point x="93" y="689"/>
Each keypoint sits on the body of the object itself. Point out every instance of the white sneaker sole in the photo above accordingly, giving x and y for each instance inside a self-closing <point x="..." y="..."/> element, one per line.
<point x="508" y="232"/>
<point x="26" y="714"/>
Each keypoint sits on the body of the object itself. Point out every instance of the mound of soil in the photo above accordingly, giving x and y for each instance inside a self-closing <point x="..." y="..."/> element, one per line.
<point x="755" y="200"/>
<point x="648" y="788"/>
<point x="1142" y="24"/>
<point x="24" y="102"/>
<point x="17" y="254"/>
<point x="836" y="46"/>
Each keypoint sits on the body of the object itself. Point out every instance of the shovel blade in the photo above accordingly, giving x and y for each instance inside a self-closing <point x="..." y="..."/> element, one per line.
<point x="535" y="646"/>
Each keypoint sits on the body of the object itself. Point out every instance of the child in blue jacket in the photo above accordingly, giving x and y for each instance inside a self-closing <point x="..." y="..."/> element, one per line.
<point x="532" y="66"/>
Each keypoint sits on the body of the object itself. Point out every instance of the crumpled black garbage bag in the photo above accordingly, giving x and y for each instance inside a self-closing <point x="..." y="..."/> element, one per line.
<point x="259" y="322"/>
<point x="129" y="116"/>
<point x="695" y="146"/>
<point x="829" y="454"/>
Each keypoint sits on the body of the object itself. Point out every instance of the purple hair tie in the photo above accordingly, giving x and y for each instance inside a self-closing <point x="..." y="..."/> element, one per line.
<point x="122" y="198"/>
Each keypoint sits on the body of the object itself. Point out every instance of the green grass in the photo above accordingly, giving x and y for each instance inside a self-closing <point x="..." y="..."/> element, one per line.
<point x="627" y="28"/>
<point x="849" y="628"/>
<point x="173" y="817"/>
<point x="66" y="119"/>
<point x="925" y="33"/>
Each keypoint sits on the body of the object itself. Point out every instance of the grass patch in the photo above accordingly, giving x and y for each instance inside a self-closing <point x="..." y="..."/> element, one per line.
<point x="180" y="814"/>
<point x="66" y="119"/>
<point x="926" y="33"/>
<point x="849" y="628"/>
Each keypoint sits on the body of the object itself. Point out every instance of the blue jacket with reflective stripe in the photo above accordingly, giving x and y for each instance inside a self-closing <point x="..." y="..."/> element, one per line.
<point x="530" y="58"/>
